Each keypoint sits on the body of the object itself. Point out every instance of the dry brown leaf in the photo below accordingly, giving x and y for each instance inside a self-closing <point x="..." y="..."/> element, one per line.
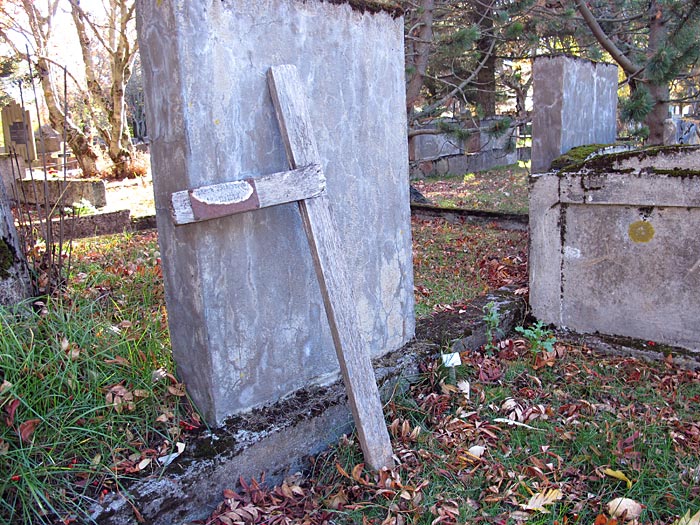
<point x="118" y="360"/>
<point x="539" y="500"/>
<point x="177" y="389"/>
<point x="624" y="508"/>
<point x="687" y="519"/>
<point x="27" y="428"/>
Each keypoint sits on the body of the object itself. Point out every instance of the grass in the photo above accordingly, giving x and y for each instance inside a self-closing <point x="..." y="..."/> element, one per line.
<point x="503" y="189"/>
<point x="88" y="398"/>
<point x="88" y="401"/>
<point x="456" y="262"/>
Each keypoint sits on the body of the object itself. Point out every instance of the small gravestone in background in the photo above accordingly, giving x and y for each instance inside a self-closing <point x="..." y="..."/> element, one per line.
<point x="17" y="130"/>
<point x="245" y="311"/>
<point x="574" y="104"/>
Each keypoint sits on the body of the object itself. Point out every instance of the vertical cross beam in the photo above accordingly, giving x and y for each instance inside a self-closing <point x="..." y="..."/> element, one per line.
<point x="332" y="272"/>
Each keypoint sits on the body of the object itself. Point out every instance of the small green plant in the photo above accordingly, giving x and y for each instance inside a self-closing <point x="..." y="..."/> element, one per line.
<point x="492" y="318"/>
<point x="539" y="337"/>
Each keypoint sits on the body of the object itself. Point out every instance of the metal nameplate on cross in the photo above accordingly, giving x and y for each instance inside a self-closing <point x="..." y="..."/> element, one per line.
<point x="228" y="198"/>
<point x="305" y="184"/>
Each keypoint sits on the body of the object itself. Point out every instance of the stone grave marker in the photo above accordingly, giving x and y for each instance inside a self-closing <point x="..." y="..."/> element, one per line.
<point x="613" y="246"/>
<point x="245" y="309"/>
<point x="17" y="130"/>
<point x="574" y="104"/>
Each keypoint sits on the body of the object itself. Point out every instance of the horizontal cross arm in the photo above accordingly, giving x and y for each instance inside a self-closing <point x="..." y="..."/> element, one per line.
<point x="229" y="198"/>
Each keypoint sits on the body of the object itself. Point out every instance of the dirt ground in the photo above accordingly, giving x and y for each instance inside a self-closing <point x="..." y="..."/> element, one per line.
<point x="135" y="195"/>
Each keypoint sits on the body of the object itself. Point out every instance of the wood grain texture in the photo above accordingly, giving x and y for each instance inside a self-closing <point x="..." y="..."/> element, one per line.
<point x="228" y="198"/>
<point x="331" y="269"/>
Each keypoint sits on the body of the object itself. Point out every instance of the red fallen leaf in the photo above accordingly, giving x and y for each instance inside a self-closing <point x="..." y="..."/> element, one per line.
<point x="186" y="425"/>
<point x="489" y="372"/>
<point x="27" y="428"/>
<point x="544" y="359"/>
<point x="230" y="494"/>
<point x="11" y="408"/>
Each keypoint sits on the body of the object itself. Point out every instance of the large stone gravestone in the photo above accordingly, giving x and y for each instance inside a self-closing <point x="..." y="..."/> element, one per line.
<point x="574" y="104"/>
<point x="613" y="246"/>
<point x="246" y="317"/>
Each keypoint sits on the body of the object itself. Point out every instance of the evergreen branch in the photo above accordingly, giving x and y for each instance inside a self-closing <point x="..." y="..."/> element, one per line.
<point x="459" y="89"/>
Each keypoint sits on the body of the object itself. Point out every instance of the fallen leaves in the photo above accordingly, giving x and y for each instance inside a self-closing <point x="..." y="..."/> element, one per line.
<point x="539" y="501"/>
<point x="453" y="262"/>
<point x="26" y="429"/>
<point x="618" y="474"/>
<point x="625" y="509"/>
<point x="687" y="519"/>
<point x="294" y="501"/>
<point x="476" y="437"/>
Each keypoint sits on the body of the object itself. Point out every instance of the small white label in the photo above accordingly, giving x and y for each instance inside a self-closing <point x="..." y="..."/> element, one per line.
<point x="572" y="253"/>
<point x="451" y="360"/>
<point x="226" y="193"/>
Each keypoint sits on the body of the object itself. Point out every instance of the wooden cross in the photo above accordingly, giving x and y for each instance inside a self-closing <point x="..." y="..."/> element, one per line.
<point x="305" y="184"/>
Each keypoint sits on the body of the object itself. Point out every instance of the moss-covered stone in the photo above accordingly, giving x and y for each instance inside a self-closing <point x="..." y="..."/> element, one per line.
<point x="607" y="163"/>
<point x="576" y="155"/>
<point x="7" y="258"/>
<point x="373" y="6"/>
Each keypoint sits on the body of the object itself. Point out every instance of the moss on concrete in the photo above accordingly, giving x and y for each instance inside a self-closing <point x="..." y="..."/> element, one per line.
<point x="606" y="163"/>
<point x="576" y="155"/>
<point x="373" y="6"/>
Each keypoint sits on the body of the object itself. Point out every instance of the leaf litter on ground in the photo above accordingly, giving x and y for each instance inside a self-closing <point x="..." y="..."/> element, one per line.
<point x="602" y="423"/>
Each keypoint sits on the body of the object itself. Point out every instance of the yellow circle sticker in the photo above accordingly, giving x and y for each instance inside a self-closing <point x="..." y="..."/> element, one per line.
<point x="641" y="231"/>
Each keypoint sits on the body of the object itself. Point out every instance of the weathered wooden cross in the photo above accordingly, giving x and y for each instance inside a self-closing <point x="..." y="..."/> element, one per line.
<point x="305" y="183"/>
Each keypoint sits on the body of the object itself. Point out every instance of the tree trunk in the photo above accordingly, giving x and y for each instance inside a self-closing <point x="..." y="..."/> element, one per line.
<point x="656" y="117"/>
<point x="658" y="87"/>
<point x="15" y="284"/>
<point x="77" y="140"/>
<point x="486" y="77"/>
<point x="121" y="55"/>
<point x="419" y="42"/>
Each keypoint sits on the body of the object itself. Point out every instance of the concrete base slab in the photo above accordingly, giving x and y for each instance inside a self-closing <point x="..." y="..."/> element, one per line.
<point x="55" y="191"/>
<point x="274" y="440"/>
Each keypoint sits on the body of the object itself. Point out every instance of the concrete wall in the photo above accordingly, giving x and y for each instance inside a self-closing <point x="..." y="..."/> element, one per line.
<point x="461" y="164"/>
<point x="614" y="249"/>
<point x="55" y="190"/>
<point x="246" y="318"/>
<point x="10" y="168"/>
<point x="430" y="147"/>
<point x="574" y="104"/>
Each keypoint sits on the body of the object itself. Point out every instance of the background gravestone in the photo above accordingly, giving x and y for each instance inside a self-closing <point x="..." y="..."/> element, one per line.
<point x="17" y="130"/>
<point x="574" y="104"/>
<point x="246" y="318"/>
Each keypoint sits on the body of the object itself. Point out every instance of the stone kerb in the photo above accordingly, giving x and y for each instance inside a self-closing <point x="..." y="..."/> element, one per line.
<point x="246" y="316"/>
<point x="613" y="246"/>
<point x="574" y="103"/>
